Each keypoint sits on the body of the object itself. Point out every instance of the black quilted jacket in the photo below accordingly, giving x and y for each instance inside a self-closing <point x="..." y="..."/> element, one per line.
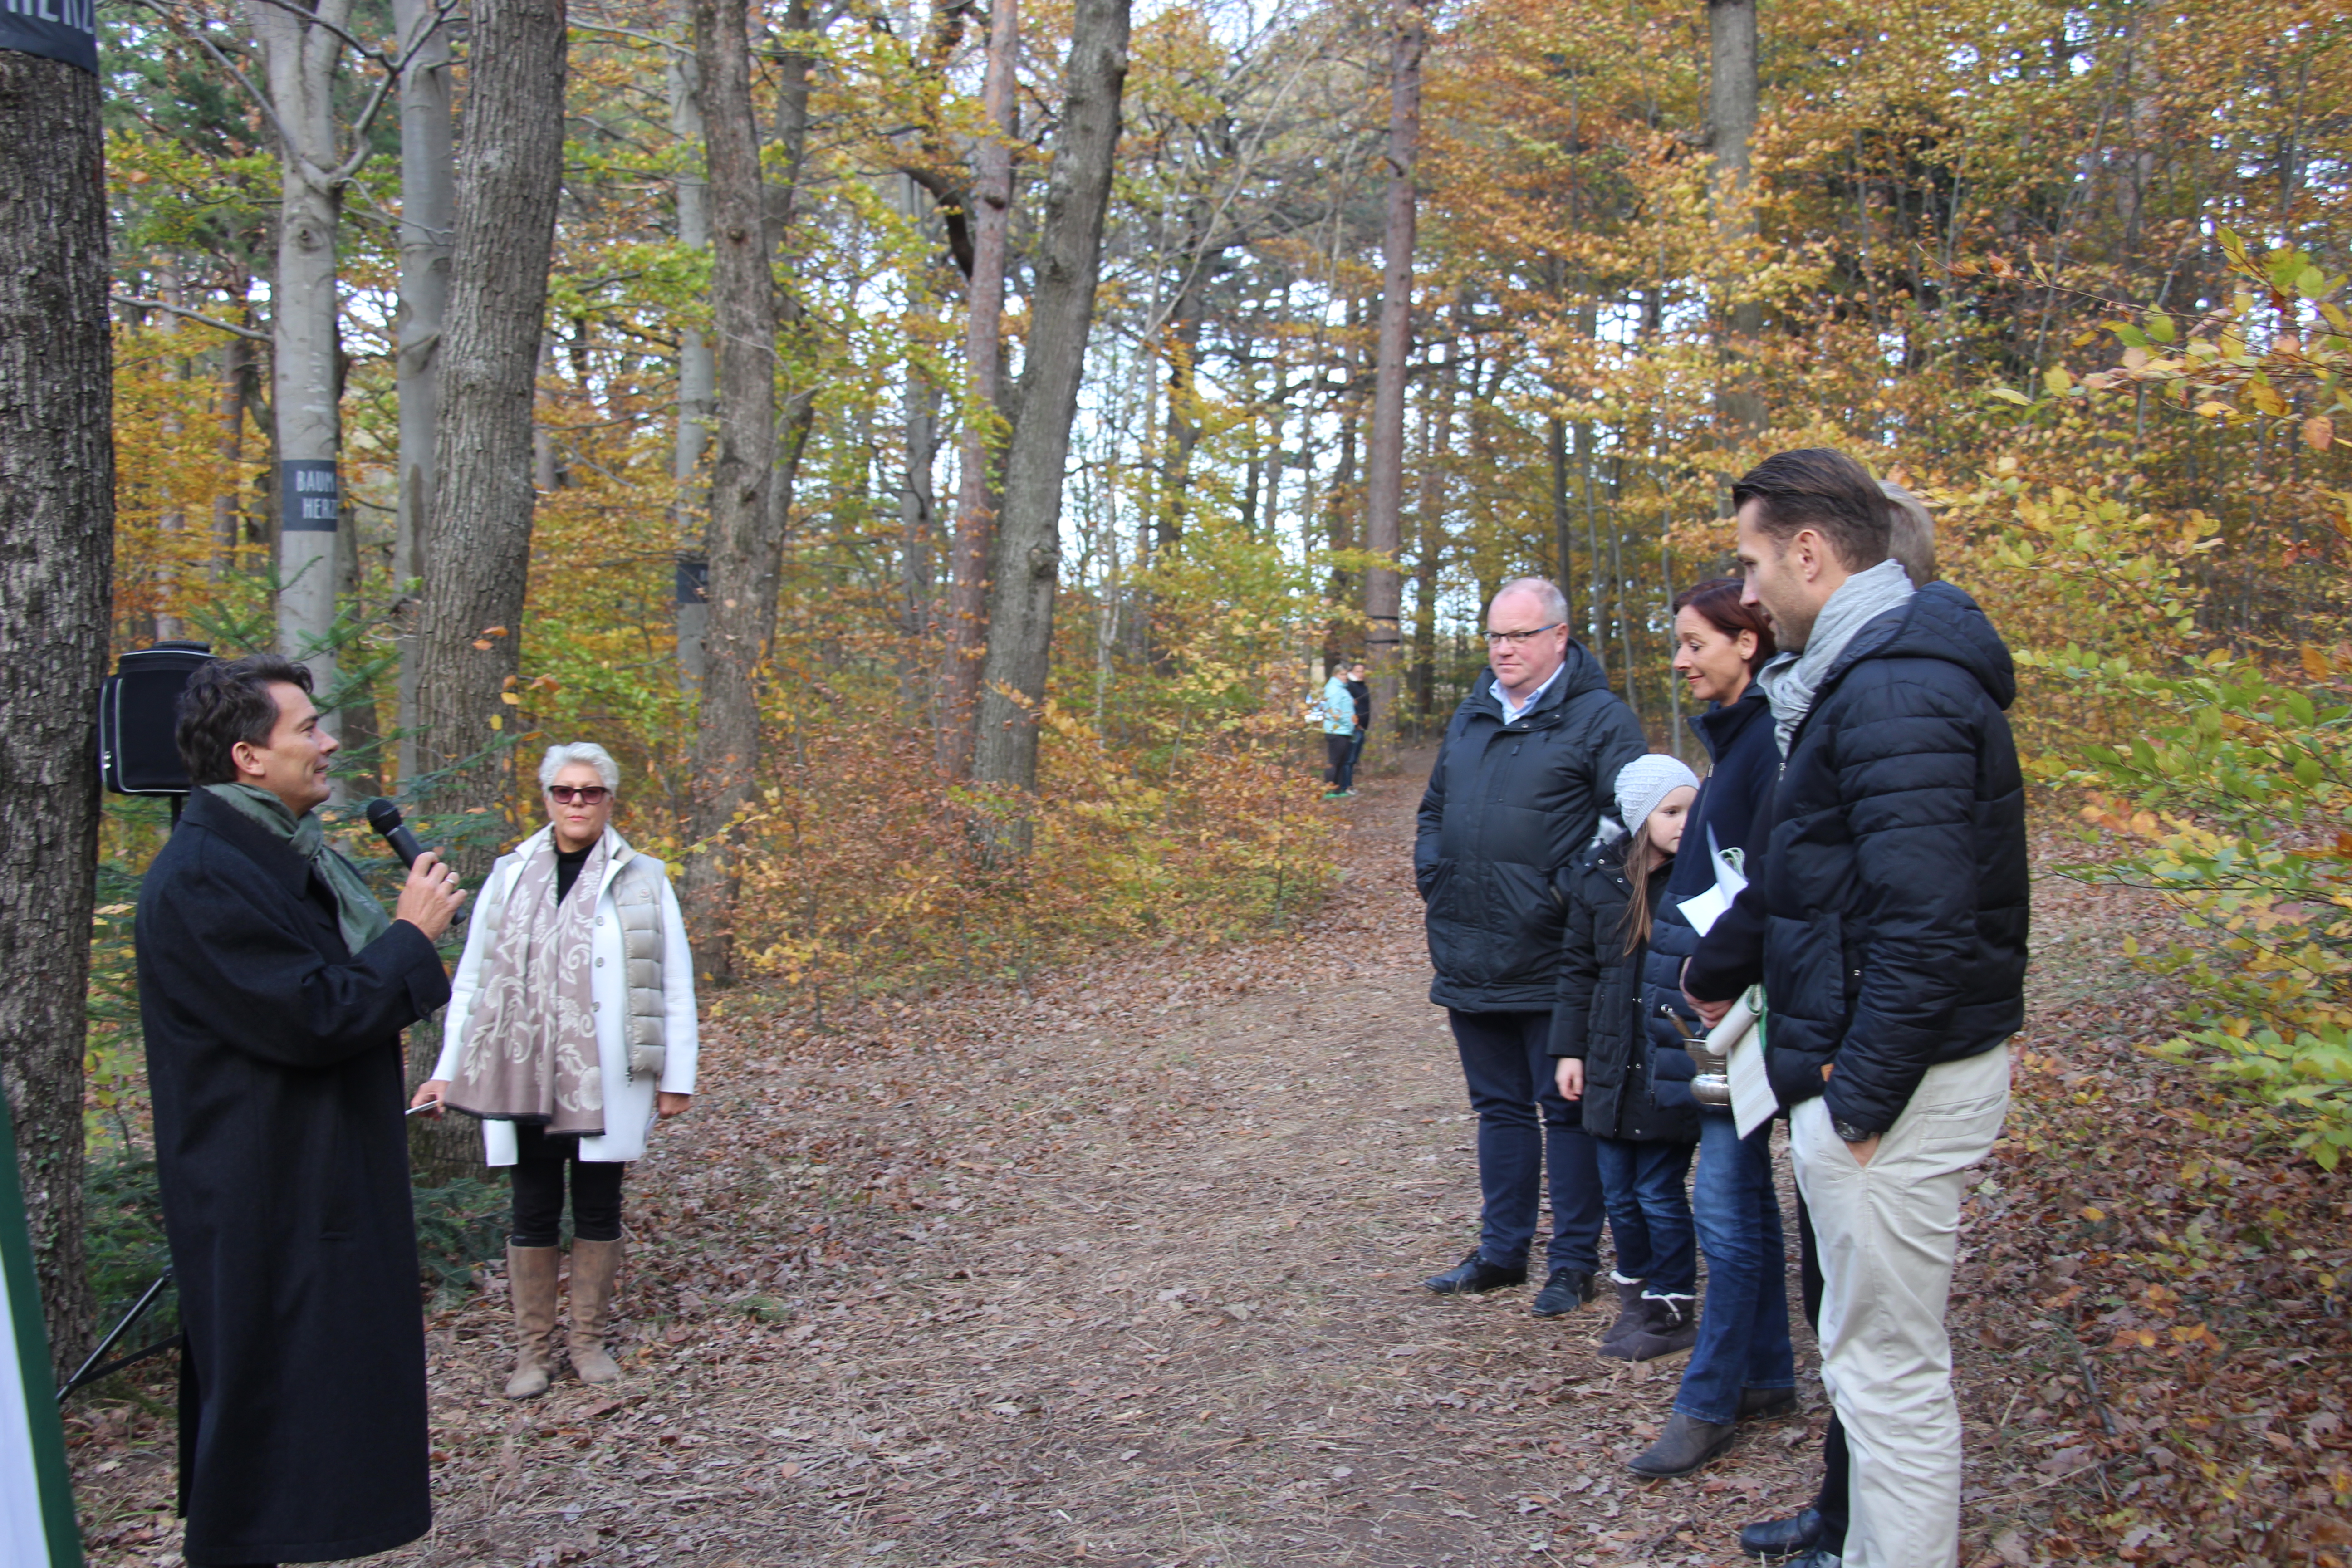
<point x="1888" y="922"/>
<point x="1637" y="1078"/>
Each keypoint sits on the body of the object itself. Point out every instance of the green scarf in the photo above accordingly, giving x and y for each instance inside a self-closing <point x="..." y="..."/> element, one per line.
<point x="361" y="918"/>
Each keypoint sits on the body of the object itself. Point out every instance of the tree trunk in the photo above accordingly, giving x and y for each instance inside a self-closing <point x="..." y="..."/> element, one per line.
<point x="427" y="195"/>
<point x="298" y="62"/>
<point x="1385" y="466"/>
<point x="983" y="348"/>
<point x="698" y="372"/>
<point x="795" y="65"/>
<point x="1731" y="123"/>
<point x="57" y="531"/>
<point x="1028" y="546"/>
<point x="237" y="385"/>
<point x="745" y="554"/>
<point x="509" y="174"/>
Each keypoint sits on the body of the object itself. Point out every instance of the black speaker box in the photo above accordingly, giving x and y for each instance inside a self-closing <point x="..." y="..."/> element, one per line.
<point x="138" y="717"/>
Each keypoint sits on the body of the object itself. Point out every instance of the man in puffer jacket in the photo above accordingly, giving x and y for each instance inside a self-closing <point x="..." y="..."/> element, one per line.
<point x="1888" y="923"/>
<point x="1527" y="765"/>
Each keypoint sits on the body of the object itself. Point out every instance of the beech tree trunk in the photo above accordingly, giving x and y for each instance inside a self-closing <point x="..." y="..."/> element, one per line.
<point x="966" y="632"/>
<point x="1731" y="124"/>
<point x="1028" y="543"/>
<point x="300" y="59"/>
<point x="698" y="372"/>
<point x="1384" y="459"/>
<point x="427" y="198"/>
<point x="57" y="531"/>
<point x="509" y="174"/>
<point x="744" y="552"/>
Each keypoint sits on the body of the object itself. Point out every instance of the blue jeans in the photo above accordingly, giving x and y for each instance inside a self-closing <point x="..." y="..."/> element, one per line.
<point x="1523" y="1126"/>
<point x="1649" y="1214"/>
<point x="1743" y="1329"/>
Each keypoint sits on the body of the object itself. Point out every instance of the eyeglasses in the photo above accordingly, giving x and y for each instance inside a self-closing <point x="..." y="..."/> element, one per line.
<point x="587" y="794"/>
<point x="1519" y="639"/>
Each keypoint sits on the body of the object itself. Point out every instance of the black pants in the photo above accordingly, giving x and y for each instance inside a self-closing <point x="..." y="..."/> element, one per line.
<point x="539" y="1167"/>
<point x="1340" y="752"/>
<point x="1836" y="1463"/>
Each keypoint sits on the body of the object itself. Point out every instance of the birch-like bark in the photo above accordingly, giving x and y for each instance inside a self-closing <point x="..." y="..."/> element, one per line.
<point x="57" y="531"/>
<point x="975" y="521"/>
<point x="428" y="201"/>
<point x="698" y="370"/>
<point x="1028" y="543"/>
<point x="509" y="175"/>
<point x="1384" y="465"/>
<point x="744" y="554"/>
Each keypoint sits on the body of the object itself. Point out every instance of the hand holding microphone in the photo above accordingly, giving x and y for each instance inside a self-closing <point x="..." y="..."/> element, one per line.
<point x="429" y="899"/>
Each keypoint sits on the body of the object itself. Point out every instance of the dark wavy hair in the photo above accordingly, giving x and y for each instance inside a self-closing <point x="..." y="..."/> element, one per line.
<point x="1718" y="602"/>
<point x="1824" y="490"/>
<point x="226" y="702"/>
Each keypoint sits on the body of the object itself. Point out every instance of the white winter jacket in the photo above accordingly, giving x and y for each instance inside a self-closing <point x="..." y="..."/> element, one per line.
<point x="628" y="1103"/>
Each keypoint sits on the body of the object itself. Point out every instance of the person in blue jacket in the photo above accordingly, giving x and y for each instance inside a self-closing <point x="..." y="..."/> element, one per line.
<point x="1742" y="1365"/>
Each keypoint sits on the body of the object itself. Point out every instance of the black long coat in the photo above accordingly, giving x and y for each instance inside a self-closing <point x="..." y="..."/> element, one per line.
<point x="1509" y="807"/>
<point x="273" y="1056"/>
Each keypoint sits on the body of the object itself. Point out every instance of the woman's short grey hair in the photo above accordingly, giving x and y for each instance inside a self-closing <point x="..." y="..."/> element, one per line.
<point x="1547" y="593"/>
<point x="559" y="758"/>
<point x="1910" y="534"/>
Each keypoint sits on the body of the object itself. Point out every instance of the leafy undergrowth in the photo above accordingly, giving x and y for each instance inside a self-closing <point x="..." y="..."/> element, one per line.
<point x="1122" y="1268"/>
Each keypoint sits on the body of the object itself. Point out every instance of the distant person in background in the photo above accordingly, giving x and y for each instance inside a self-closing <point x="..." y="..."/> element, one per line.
<point x="1336" y="710"/>
<point x="1624" y="1067"/>
<point x="1742" y="1365"/>
<point x="1362" y="692"/>
<point x="272" y="991"/>
<point x="1517" y="794"/>
<point x="571" y="1029"/>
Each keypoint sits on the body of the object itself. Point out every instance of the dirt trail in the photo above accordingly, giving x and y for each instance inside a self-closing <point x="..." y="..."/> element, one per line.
<point x="1123" y="1269"/>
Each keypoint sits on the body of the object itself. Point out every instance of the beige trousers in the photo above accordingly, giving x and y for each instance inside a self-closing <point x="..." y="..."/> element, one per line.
<point x="1887" y="1232"/>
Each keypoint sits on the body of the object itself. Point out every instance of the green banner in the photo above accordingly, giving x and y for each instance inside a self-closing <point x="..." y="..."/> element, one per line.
<point x="36" y="1508"/>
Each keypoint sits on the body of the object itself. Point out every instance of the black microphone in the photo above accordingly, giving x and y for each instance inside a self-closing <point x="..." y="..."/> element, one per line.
<point x="384" y="817"/>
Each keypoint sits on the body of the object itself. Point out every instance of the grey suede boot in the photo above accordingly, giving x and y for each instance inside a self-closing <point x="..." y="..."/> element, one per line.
<point x="530" y="1290"/>
<point x="1673" y="1325"/>
<point x="1629" y="1312"/>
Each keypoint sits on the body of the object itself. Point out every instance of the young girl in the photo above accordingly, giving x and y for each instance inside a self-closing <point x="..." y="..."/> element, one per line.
<point x="1626" y="1069"/>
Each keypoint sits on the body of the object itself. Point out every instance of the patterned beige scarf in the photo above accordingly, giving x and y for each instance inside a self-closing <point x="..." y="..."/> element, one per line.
<point x="530" y="1044"/>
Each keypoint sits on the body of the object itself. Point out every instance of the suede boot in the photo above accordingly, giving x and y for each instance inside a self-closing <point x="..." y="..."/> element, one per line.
<point x="595" y="1268"/>
<point x="1630" y="1314"/>
<point x="530" y="1288"/>
<point x="1673" y="1326"/>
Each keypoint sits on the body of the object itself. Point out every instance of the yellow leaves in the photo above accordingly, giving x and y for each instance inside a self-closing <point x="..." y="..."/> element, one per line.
<point x="2265" y="396"/>
<point x="2057" y="380"/>
<point x="2315" y="663"/>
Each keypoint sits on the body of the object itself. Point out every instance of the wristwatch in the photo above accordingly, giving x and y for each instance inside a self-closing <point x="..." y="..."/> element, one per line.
<point x="1849" y="1131"/>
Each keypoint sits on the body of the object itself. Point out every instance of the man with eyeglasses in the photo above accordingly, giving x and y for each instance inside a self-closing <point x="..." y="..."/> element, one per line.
<point x="1521" y="780"/>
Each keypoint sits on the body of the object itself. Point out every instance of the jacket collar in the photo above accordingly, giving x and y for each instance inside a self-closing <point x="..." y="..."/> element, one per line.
<point x="618" y="852"/>
<point x="1722" y="725"/>
<point x="273" y="855"/>
<point x="1579" y="673"/>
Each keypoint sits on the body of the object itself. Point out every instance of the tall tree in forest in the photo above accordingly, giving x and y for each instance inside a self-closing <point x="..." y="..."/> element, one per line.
<point x="509" y="174"/>
<point x="1028" y="539"/>
<point x="1732" y="125"/>
<point x="1384" y="456"/>
<point x="427" y="170"/>
<point x="697" y="371"/>
<point x="975" y="519"/>
<point x="744" y="551"/>
<point x="57" y="521"/>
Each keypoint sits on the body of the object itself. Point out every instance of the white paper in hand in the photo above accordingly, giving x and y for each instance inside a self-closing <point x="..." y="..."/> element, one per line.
<point x="1704" y="908"/>
<point x="1753" y="1102"/>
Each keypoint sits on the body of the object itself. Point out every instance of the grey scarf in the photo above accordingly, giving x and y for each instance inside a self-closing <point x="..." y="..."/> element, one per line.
<point x="1790" y="679"/>
<point x="357" y="914"/>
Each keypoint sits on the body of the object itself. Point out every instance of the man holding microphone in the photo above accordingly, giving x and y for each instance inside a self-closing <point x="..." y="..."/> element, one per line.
<point x="273" y="992"/>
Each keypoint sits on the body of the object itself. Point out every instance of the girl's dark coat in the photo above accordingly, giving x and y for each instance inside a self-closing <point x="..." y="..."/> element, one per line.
<point x="273" y="1056"/>
<point x="1636" y="1079"/>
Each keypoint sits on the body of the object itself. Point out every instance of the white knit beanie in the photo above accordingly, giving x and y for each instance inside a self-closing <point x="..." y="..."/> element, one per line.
<point x="1644" y="781"/>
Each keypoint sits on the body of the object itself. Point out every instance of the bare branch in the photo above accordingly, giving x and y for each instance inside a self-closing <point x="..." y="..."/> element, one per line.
<point x="214" y="322"/>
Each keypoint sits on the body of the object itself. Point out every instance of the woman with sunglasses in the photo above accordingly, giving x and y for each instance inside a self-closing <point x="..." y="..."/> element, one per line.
<point x="571" y="1026"/>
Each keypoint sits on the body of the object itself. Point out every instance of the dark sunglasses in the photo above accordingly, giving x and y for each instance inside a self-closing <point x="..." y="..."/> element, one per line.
<point x="587" y="794"/>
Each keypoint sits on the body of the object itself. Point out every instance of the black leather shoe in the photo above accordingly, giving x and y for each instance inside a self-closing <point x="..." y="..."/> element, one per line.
<point x="1758" y="1403"/>
<point x="1472" y="1275"/>
<point x="1682" y="1447"/>
<point x="1783" y="1537"/>
<point x="1564" y="1292"/>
